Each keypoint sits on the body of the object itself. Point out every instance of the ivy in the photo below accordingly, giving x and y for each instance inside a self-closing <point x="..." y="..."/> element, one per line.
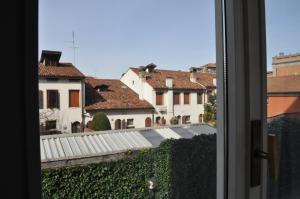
<point x="183" y="168"/>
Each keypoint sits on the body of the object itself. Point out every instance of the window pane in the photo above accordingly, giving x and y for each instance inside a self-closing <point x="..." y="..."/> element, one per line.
<point x="283" y="95"/>
<point x="131" y="84"/>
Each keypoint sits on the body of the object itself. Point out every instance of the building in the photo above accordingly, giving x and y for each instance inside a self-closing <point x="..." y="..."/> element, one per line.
<point x="285" y="65"/>
<point x="175" y="95"/>
<point x="122" y="106"/>
<point x="61" y="95"/>
<point x="284" y="96"/>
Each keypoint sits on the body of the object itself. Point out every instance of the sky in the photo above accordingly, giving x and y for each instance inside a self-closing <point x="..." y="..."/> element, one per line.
<point x="113" y="35"/>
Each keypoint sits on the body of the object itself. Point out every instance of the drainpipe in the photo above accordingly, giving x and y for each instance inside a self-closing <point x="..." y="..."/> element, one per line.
<point x="82" y="104"/>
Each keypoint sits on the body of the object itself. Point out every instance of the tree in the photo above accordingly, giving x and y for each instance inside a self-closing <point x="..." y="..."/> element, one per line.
<point x="100" y="122"/>
<point x="210" y="110"/>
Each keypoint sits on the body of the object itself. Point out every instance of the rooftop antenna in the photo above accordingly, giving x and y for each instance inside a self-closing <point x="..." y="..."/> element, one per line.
<point x="74" y="47"/>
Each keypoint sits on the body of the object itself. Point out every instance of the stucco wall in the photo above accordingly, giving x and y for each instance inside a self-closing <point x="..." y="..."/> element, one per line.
<point x="65" y="115"/>
<point x="138" y="115"/>
<point x="278" y="105"/>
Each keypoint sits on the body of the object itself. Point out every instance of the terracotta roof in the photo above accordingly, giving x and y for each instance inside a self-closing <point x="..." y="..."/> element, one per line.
<point x="117" y="96"/>
<point x="62" y="70"/>
<point x="181" y="79"/>
<point x="284" y="84"/>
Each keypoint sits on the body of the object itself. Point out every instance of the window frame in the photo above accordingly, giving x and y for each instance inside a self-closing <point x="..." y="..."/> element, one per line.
<point x="29" y="173"/>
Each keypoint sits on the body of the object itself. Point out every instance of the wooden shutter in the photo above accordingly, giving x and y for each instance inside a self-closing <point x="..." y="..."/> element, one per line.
<point x="186" y="98"/>
<point x="52" y="99"/>
<point x="73" y="98"/>
<point x="159" y="98"/>
<point x="199" y="98"/>
<point x="41" y="100"/>
<point x="176" y="98"/>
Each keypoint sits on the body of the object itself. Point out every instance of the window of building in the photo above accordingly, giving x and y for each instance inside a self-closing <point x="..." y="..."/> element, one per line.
<point x="41" y="100"/>
<point x="75" y="127"/>
<point x="130" y="123"/>
<point x="159" y="98"/>
<point x="176" y="98"/>
<point x="73" y="98"/>
<point x="52" y="99"/>
<point x="186" y="119"/>
<point x="50" y="125"/>
<point x="199" y="98"/>
<point x="186" y="98"/>
<point x="200" y="118"/>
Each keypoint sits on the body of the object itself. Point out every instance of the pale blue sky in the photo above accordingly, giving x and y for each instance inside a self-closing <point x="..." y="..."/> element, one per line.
<point x="113" y="35"/>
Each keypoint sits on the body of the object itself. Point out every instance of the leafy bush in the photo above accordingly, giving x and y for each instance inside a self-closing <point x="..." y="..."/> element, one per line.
<point x="184" y="168"/>
<point x="100" y="122"/>
<point x="174" y="120"/>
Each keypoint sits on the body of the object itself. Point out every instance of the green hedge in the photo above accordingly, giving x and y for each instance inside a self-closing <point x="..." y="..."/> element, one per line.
<point x="182" y="168"/>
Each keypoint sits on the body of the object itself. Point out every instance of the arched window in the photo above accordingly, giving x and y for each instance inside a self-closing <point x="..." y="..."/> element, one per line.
<point x="200" y="118"/>
<point x="148" y="122"/>
<point x="118" y="124"/>
<point x="75" y="127"/>
<point x="158" y="120"/>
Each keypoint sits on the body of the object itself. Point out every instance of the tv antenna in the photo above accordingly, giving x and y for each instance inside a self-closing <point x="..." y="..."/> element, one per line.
<point x="74" y="47"/>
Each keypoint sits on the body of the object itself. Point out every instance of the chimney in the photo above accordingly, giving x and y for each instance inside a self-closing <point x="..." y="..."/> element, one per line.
<point x="150" y="68"/>
<point x="169" y="82"/>
<point x="193" y="77"/>
<point x="214" y="81"/>
<point x="50" y="58"/>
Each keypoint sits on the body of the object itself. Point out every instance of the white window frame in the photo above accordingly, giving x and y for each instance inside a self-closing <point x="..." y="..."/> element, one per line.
<point x="241" y="94"/>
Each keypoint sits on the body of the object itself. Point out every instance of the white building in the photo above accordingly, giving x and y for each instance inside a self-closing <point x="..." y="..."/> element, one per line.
<point x="174" y="94"/>
<point x="61" y="95"/>
<point x="122" y="106"/>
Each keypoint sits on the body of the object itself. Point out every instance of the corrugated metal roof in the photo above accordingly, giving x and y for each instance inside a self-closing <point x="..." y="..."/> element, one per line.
<point x="81" y="145"/>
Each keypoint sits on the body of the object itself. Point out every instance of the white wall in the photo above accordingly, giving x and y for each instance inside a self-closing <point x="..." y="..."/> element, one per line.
<point x="139" y="87"/>
<point x="138" y="115"/>
<point x="65" y="115"/>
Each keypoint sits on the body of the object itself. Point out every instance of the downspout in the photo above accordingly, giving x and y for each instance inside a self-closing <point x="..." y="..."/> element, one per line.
<point x="82" y="104"/>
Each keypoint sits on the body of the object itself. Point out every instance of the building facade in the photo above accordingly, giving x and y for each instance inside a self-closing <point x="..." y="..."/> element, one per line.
<point x="122" y="106"/>
<point x="175" y="95"/>
<point x="285" y="65"/>
<point x="284" y="96"/>
<point x="61" y="95"/>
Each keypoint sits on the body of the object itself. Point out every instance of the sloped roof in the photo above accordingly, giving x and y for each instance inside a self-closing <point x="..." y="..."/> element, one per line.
<point x="102" y="143"/>
<point x="60" y="71"/>
<point x="284" y="84"/>
<point x="181" y="79"/>
<point x="117" y="96"/>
